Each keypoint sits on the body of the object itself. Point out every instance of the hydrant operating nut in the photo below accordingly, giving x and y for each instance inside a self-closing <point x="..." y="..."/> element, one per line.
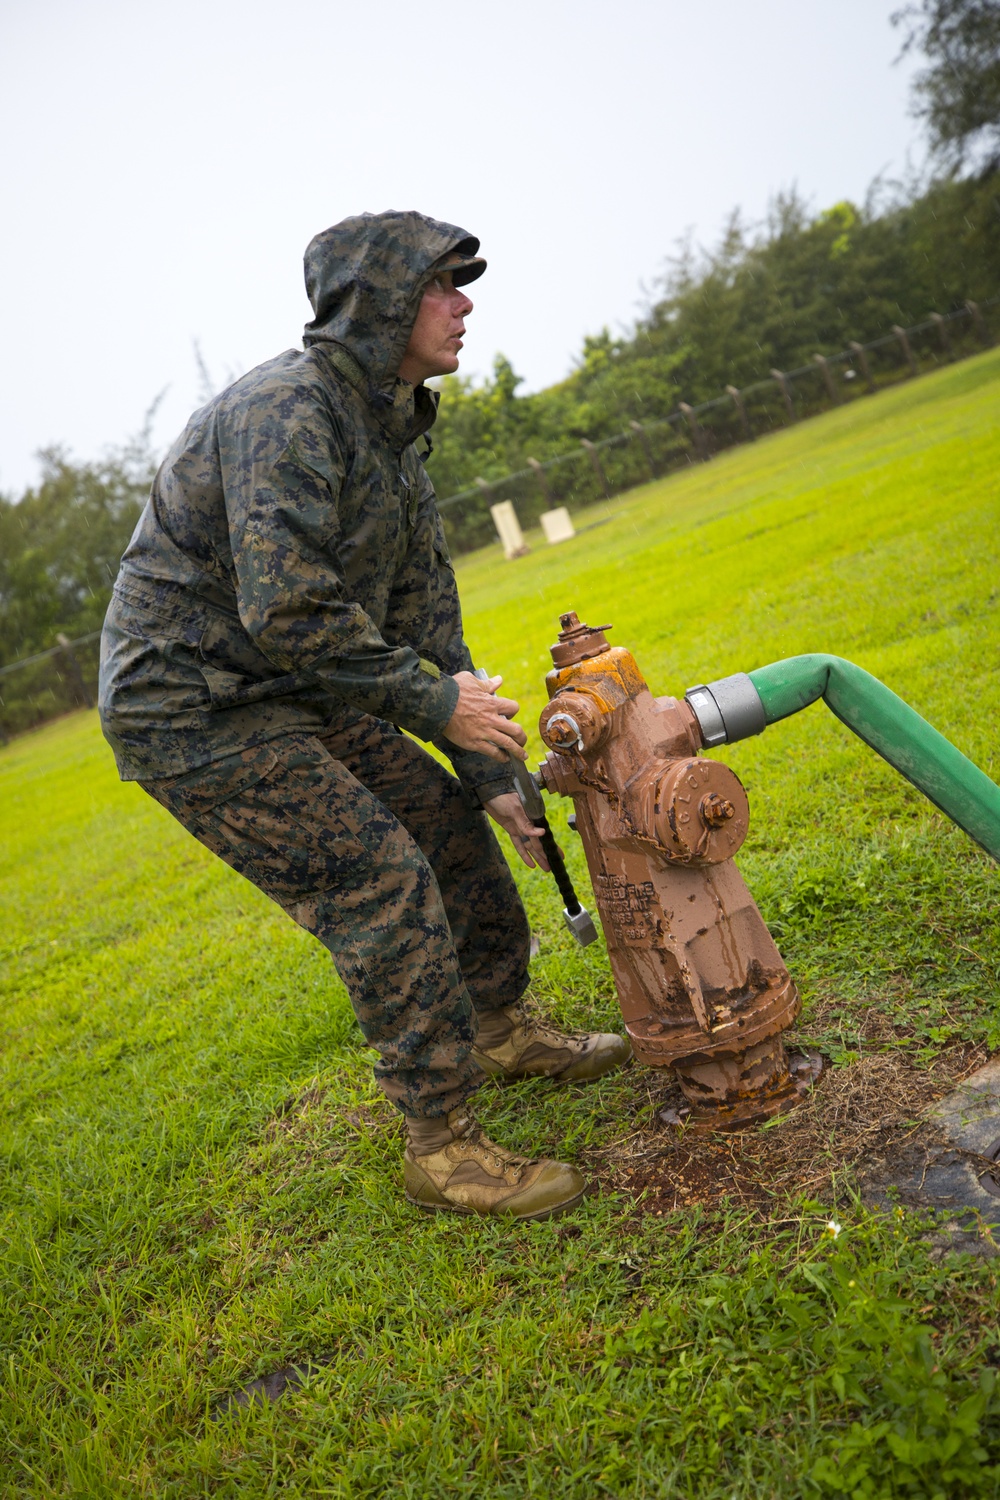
<point x="573" y="721"/>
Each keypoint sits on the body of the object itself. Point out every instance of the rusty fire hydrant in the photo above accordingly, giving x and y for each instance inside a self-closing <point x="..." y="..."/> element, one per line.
<point x="702" y="987"/>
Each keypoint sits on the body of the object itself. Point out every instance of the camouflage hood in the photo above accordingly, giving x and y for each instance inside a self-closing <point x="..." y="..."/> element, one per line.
<point x="365" y="277"/>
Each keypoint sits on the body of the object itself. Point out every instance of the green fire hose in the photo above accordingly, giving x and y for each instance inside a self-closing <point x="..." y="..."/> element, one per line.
<point x="734" y="708"/>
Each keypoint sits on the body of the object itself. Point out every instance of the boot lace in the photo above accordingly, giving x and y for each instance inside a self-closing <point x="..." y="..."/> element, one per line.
<point x="488" y="1151"/>
<point x="530" y="1019"/>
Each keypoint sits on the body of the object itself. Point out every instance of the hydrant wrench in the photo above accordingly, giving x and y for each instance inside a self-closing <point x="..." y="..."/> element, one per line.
<point x="575" y="914"/>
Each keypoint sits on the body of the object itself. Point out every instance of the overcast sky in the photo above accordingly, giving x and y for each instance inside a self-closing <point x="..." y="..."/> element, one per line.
<point x="165" y="165"/>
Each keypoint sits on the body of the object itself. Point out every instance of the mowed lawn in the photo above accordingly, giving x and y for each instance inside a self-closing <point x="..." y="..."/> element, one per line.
<point x="201" y="1185"/>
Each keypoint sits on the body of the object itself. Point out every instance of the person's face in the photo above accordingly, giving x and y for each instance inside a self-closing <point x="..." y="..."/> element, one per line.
<point x="437" y="333"/>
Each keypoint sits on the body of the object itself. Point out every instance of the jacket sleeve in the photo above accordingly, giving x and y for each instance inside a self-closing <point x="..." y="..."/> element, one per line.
<point x="424" y="609"/>
<point x="281" y="495"/>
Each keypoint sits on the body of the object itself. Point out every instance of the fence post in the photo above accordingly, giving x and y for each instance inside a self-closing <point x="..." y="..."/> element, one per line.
<point x="647" y="447"/>
<point x="781" y="381"/>
<point x="861" y="355"/>
<point x="904" y="344"/>
<point x="741" y="407"/>
<point x="942" y="333"/>
<point x="980" y="322"/>
<point x="828" y="380"/>
<point x="543" y="483"/>
<point x="697" y="436"/>
<point x="597" y="466"/>
<point x="66" y="658"/>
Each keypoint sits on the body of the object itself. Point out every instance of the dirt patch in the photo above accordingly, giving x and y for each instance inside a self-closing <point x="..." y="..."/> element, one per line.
<point x="857" y="1117"/>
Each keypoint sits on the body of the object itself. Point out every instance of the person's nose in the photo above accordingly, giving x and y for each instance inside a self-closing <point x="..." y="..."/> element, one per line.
<point x="463" y="305"/>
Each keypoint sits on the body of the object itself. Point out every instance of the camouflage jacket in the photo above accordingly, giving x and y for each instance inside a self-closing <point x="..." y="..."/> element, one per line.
<point x="290" y="567"/>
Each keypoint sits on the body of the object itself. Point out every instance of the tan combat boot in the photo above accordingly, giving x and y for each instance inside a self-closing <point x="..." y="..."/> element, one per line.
<point x="517" y="1042"/>
<point x="451" y="1165"/>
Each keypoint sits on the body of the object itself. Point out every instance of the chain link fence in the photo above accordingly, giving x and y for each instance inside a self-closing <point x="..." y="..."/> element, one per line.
<point x="50" y="683"/>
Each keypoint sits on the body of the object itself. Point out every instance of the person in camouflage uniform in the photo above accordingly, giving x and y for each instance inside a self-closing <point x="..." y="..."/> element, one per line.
<point x="285" y="608"/>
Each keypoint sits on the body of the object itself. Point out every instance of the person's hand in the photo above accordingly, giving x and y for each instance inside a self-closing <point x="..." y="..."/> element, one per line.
<point x="484" y="722"/>
<point x="506" y="810"/>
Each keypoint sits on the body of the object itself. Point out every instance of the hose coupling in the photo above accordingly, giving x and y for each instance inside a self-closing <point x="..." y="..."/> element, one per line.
<point x="727" y="710"/>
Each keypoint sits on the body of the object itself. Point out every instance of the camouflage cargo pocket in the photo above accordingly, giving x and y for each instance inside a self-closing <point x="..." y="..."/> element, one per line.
<point x="286" y="815"/>
<point x="235" y="671"/>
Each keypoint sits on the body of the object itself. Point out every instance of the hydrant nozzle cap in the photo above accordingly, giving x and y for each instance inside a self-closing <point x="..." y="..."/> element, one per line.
<point x="578" y="642"/>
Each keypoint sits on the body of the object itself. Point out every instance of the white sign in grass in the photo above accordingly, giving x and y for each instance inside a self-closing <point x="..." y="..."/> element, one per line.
<point x="557" y="525"/>
<point x="509" y="529"/>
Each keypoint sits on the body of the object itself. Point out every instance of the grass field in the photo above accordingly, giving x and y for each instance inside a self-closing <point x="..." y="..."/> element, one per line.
<point x="200" y="1184"/>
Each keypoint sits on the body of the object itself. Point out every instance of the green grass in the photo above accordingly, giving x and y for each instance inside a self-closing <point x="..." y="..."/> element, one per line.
<point x="200" y="1183"/>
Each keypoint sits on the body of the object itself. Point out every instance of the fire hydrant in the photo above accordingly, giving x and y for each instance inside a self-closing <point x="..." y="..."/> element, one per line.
<point x="702" y="987"/>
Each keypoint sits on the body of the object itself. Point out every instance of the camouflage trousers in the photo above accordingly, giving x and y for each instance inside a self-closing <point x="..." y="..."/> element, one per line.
<point x="369" y="844"/>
